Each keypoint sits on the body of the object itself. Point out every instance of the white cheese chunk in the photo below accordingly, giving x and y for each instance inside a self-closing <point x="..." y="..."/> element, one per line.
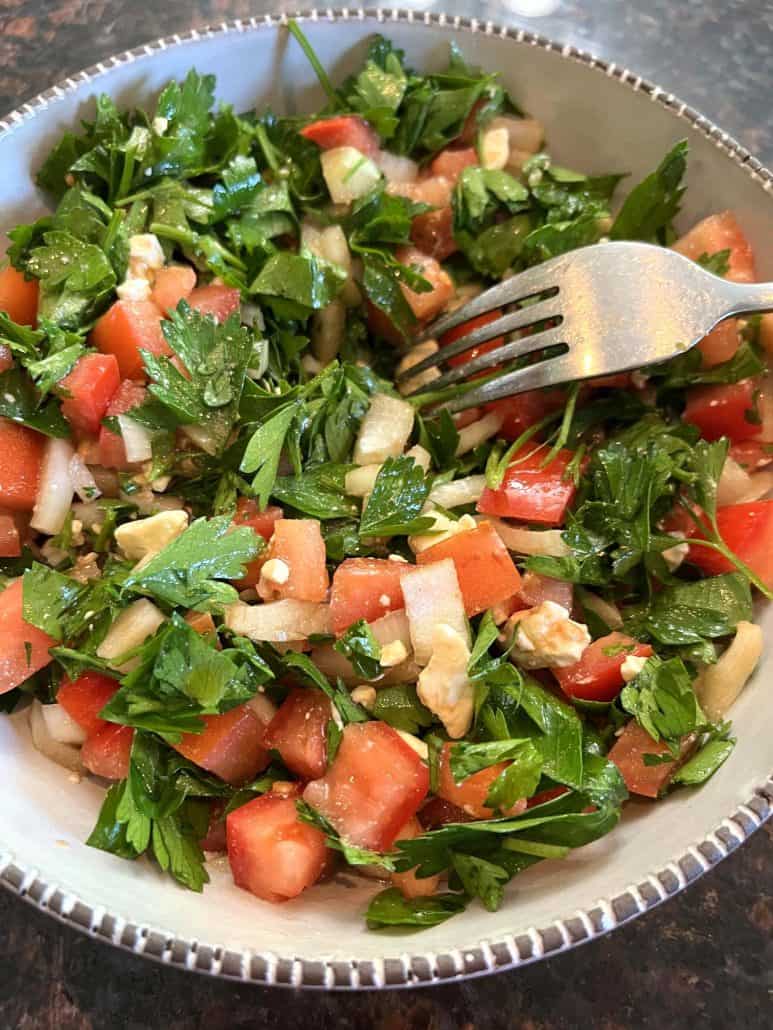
<point x="393" y="654"/>
<point x="365" y="696"/>
<point x="147" y="537"/>
<point x="547" y="638"/>
<point x="631" y="667"/>
<point x="275" y="572"/>
<point x="444" y="686"/>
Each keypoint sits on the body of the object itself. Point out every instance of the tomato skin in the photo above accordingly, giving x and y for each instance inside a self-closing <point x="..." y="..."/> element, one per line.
<point x="525" y="410"/>
<point x="231" y="745"/>
<point x="10" y="544"/>
<point x="531" y="493"/>
<point x="374" y="785"/>
<point x="452" y="161"/>
<point x="298" y="543"/>
<point x="171" y="285"/>
<point x="83" y="699"/>
<point x="215" y="300"/>
<point x="248" y="513"/>
<point x="409" y="884"/>
<point x="597" y="676"/>
<point x="464" y="329"/>
<point x="112" y="452"/>
<point x="724" y="410"/>
<point x="628" y="755"/>
<point x="433" y="233"/>
<point x="21" y="460"/>
<point x="426" y="305"/>
<point x="19" y="296"/>
<point x="17" y="638"/>
<point x="215" y="837"/>
<point x="125" y="329"/>
<point x="359" y="584"/>
<point x="108" y="752"/>
<point x="747" y="529"/>
<point x="470" y="795"/>
<point x="347" y="130"/>
<point x="6" y="358"/>
<point x="437" y="812"/>
<point x="487" y="574"/>
<point x="91" y="385"/>
<point x="272" y="854"/>
<point x="535" y="589"/>
<point x="298" y="732"/>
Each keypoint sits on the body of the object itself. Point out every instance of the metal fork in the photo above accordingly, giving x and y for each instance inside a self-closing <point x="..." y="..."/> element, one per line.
<point x="611" y="307"/>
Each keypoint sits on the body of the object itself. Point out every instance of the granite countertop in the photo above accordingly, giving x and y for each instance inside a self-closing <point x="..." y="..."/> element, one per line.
<point x="706" y="957"/>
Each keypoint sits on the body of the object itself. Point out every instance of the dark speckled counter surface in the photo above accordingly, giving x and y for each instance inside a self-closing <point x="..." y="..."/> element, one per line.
<point x="705" y="958"/>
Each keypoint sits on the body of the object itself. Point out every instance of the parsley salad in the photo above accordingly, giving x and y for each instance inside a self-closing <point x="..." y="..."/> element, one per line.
<point x="300" y="617"/>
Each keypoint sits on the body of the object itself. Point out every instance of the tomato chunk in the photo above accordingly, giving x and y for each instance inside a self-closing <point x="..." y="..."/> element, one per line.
<point x="299" y="544"/>
<point x="628" y="755"/>
<point x="747" y="529"/>
<point x="525" y="410"/>
<point x="433" y="233"/>
<point x="487" y="574"/>
<point x="127" y="328"/>
<point x="248" y="513"/>
<point x="112" y="452"/>
<point x="426" y="305"/>
<point x="272" y="853"/>
<point x="83" y="699"/>
<point x="171" y="285"/>
<point x="411" y="885"/>
<point x="216" y="300"/>
<point x="23" y="647"/>
<point x="452" y="161"/>
<point x="536" y="589"/>
<point x="231" y="745"/>
<point x="10" y="544"/>
<point x="725" y="410"/>
<point x="597" y="675"/>
<point x="298" y="732"/>
<point x="346" y="130"/>
<point x="721" y="232"/>
<point x="107" y="753"/>
<point x="470" y="795"/>
<point x="21" y="459"/>
<point x="374" y="786"/>
<point x="532" y="493"/>
<point x="364" y="588"/>
<point x="91" y="385"/>
<point x="18" y="296"/>
<point x="467" y="327"/>
<point x="6" y="358"/>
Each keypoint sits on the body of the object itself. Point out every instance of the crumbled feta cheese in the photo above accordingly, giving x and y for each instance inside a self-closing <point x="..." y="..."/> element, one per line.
<point x="418" y="745"/>
<point x="160" y="484"/>
<point x="365" y="696"/>
<point x="134" y="289"/>
<point x="397" y="558"/>
<point x="144" y="538"/>
<point x="160" y="125"/>
<point x="145" y="252"/>
<point x="385" y="600"/>
<point x="546" y="638"/>
<point x="495" y="148"/>
<point x="275" y="572"/>
<point x="631" y="667"/>
<point x="674" y="556"/>
<point x="443" y="529"/>
<point x="393" y="654"/>
<point x="444" y="686"/>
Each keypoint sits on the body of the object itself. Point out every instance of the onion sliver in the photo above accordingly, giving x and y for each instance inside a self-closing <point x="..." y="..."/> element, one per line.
<point x="461" y="491"/>
<point x="546" y="542"/>
<point x="733" y="483"/>
<point x="56" y="488"/>
<point x="278" y="621"/>
<point x="83" y="482"/>
<point x="65" y="755"/>
<point x="136" y="439"/>
<point x="719" y="685"/>
<point x="432" y="596"/>
<point x="61" y="726"/>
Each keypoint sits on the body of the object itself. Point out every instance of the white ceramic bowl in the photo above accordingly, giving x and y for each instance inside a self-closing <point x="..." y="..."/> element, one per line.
<point x="599" y="118"/>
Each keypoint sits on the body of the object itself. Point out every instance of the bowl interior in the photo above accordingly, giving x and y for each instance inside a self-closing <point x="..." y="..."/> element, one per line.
<point x="594" y="122"/>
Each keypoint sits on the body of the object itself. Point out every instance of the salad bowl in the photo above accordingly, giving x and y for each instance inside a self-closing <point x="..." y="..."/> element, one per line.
<point x="598" y="117"/>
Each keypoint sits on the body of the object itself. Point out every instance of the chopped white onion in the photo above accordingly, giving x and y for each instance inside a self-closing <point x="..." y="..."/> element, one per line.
<point x="83" y="482"/>
<point x="391" y="628"/>
<point x="132" y="627"/>
<point x="608" y="613"/>
<point x="61" y="726"/>
<point x="348" y="174"/>
<point x="384" y="430"/>
<point x="476" y="433"/>
<point x="432" y="596"/>
<point x="278" y="620"/>
<point x="760" y="485"/>
<point x="719" y="685"/>
<point x="263" y="708"/>
<point x="397" y="168"/>
<point x="461" y="491"/>
<point x="733" y="483"/>
<point x="66" y="755"/>
<point x="52" y="504"/>
<point x="360" y="481"/>
<point x="525" y="134"/>
<point x="546" y="542"/>
<point x="328" y="327"/>
<point x="136" y="439"/>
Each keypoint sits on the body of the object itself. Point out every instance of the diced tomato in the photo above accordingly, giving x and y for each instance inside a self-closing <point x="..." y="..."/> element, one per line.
<point x="6" y="358"/>
<point x="88" y="389"/>
<point x="435" y="190"/>
<point x="525" y="410"/>
<point x="127" y="328"/>
<point x="112" y="453"/>
<point x="172" y="284"/>
<point x="248" y="513"/>
<point x="23" y="648"/>
<point x="10" y="544"/>
<point x="433" y="233"/>
<point x="751" y="454"/>
<point x="721" y="232"/>
<point x="426" y="305"/>
<point x="747" y="529"/>
<point x="216" y="300"/>
<point x="532" y="493"/>
<point x="21" y="459"/>
<point x="628" y="754"/>
<point x="536" y="589"/>
<point x="617" y="381"/>
<point x="546" y="795"/>
<point x="725" y="410"/>
<point x="467" y="327"/>
<point x="201" y="622"/>
<point x="231" y="745"/>
<point x="347" y="130"/>
<point x="437" y="812"/>
<point x="18" y="296"/>
<point x="411" y="885"/>
<point x="298" y="732"/>
<point x="83" y="699"/>
<point x="597" y="675"/>
<point x="374" y="785"/>
<point x="365" y="588"/>
<point x="215" y="839"/>
<point x="487" y="574"/>
<point x="452" y="161"/>
<point x="299" y="544"/>
<point x="721" y="343"/>
<point x="272" y="853"/>
<point x="470" y="795"/>
<point x="107" y="753"/>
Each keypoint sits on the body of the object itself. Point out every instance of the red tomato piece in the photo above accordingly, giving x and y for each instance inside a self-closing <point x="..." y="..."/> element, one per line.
<point x="467" y="327"/>
<point x="747" y="529"/>
<point x="18" y="296"/>
<point x="107" y="753"/>
<point x="347" y="130"/>
<point x="751" y="454"/>
<point x="171" y="285"/>
<point x="374" y="786"/>
<point x="408" y="883"/>
<point x="90" y="387"/>
<point x="725" y="410"/>
<point x="248" y="513"/>
<point x="216" y="300"/>
<point x="452" y="161"/>
<point x="535" y="589"/>
<point x="298" y="732"/>
<point x="426" y="305"/>
<point x="83" y="699"/>
<point x="487" y="574"/>
<point x="10" y="544"/>
<point x="6" y="358"/>
<point x="201" y="622"/>
<point x="720" y="344"/>
<point x="597" y="676"/>
<point x="433" y="233"/>
<point x="272" y="853"/>
<point x="128" y="327"/>
<point x="525" y="410"/>
<point x="364" y="588"/>
<point x="231" y="745"/>
<point x="299" y="544"/>
<point x="628" y="754"/>
<point x="112" y="453"/>
<point x="531" y="493"/>
<point x="721" y="232"/>
<point x="438" y="812"/>
<point x="21" y="459"/>
<point x="23" y="647"/>
<point x="215" y="839"/>
<point x="470" y="795"/>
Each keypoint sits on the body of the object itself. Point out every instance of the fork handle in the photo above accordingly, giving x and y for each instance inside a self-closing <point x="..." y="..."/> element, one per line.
<point x="748" y="298"/>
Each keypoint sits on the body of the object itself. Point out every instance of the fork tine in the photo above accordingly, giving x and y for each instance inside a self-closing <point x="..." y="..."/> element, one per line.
<point x="548" y="372"/>
<point x="515" y="349"/>
<point x="520" y="319"/>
